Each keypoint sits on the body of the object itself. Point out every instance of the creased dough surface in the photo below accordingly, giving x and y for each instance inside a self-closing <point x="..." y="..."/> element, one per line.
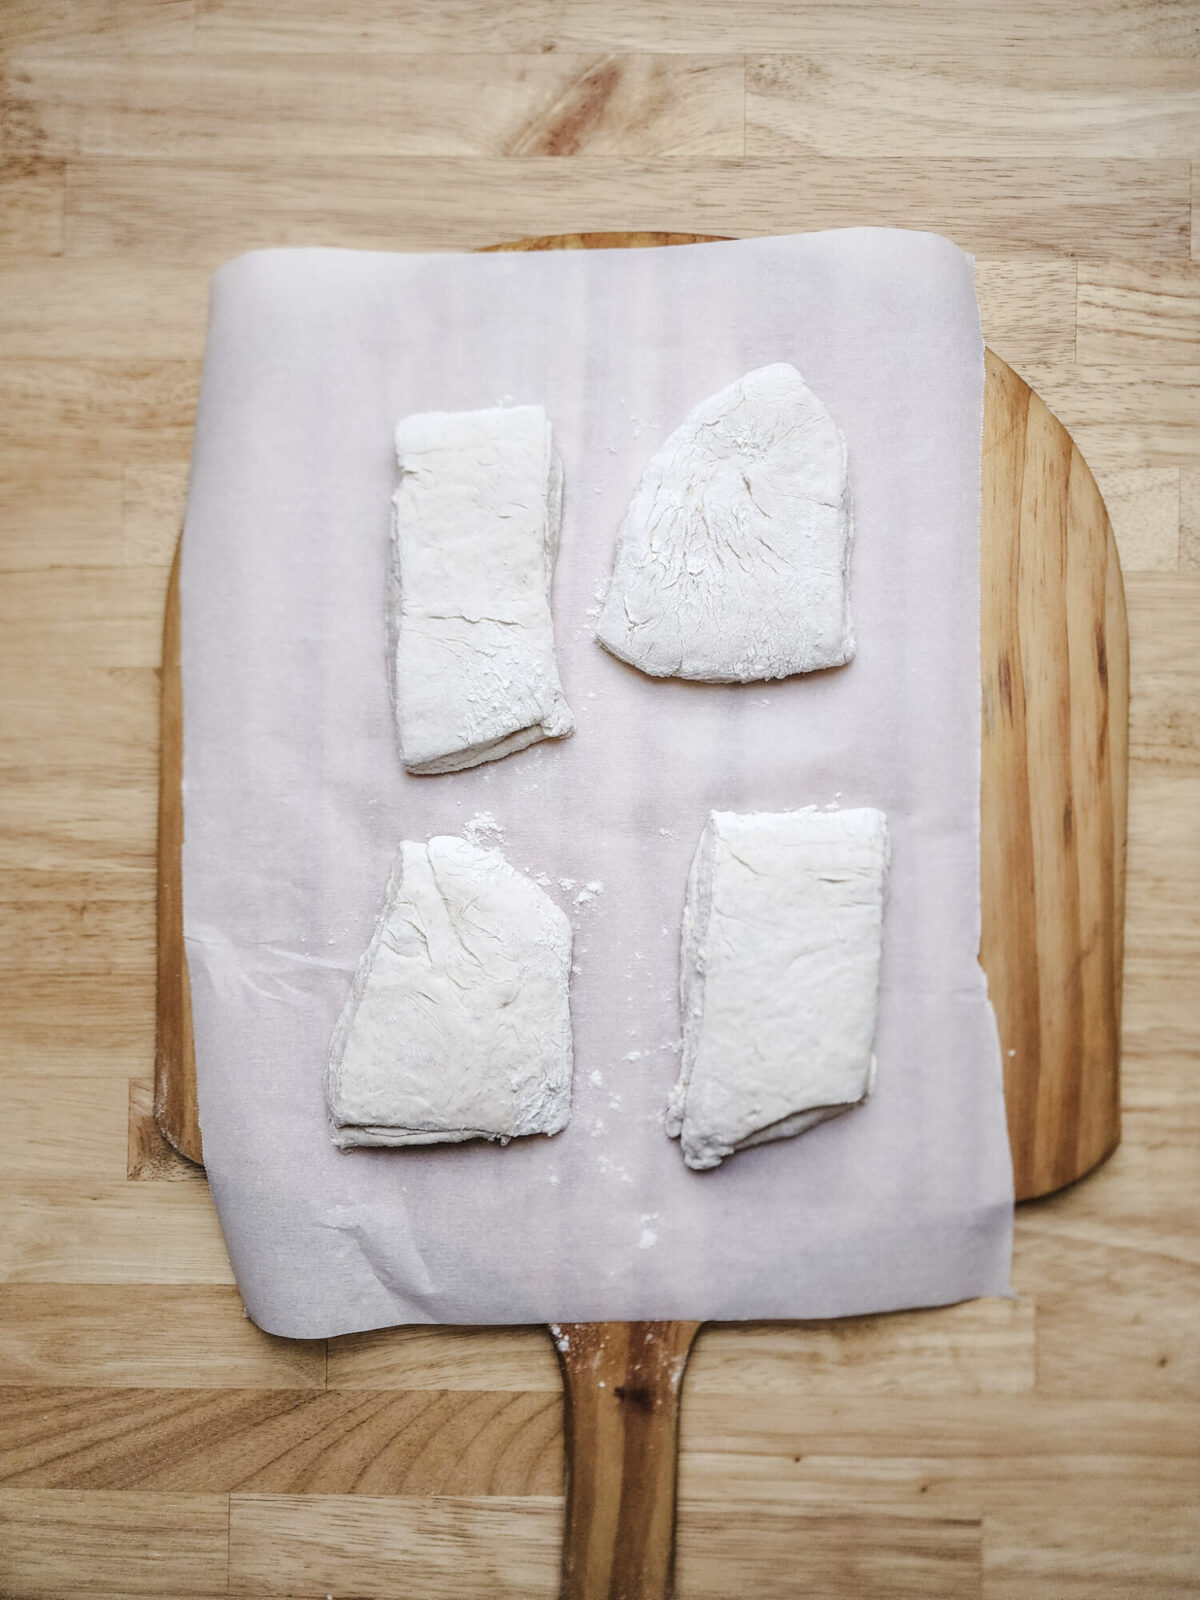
<point x="458" y="1023"/>
<point x="732" y="560"/>
<point x="475" y="527"/>
<point x="779" y="983"/>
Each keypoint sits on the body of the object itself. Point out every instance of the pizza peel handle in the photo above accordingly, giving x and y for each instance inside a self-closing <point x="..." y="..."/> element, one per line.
<point x="1055" y="688"/>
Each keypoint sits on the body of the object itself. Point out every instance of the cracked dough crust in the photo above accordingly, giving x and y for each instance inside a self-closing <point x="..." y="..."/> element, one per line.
<point x="458" y="1024"/>
<point x="733" y="559"/>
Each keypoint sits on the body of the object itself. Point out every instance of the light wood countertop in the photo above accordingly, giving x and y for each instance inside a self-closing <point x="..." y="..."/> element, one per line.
<point x="152" y="1441"/>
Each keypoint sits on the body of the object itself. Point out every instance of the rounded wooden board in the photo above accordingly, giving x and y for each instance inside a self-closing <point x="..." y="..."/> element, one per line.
<point x="1055" y="684"/>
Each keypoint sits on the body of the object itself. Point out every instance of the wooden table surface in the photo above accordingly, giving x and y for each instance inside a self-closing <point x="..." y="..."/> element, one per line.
<point x="152" y="1441"/>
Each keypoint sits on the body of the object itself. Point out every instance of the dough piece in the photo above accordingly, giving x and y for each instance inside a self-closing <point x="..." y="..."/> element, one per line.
<point x="780" y="976"/>
<point x="733" y="559"/>
<point x="475" y="525"/>
<point x="458" y="1024"/>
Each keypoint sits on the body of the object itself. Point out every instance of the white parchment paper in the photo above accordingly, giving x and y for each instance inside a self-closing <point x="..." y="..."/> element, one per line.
<point x="295" y="800"/>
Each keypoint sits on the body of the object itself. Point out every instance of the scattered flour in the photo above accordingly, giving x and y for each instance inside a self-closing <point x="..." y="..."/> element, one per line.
<point x="484" y="830"/>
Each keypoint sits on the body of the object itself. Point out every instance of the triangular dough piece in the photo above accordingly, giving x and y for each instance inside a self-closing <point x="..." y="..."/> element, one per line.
<point x="732" y="560"/>
<point x="782" y="936"/>
<point x="458" y="1024"/>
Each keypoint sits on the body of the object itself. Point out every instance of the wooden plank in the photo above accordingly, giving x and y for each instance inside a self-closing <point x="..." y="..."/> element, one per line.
<point x="32" y="205"/>
<point x="1126" y="415"/>
<point x="78" y="1132"/>
<point x="1027" y="307"/>
<point x="1098" y="27"/>
<point x="1143" y="503"/>
<point x="143" y="1336"/>
<point x="1049" y="1552"/>
<point x="519" y="26"/>
<point x="76" y="1232"/>
<point x="76" y="823"/>
<point x="146" y="405"/>
<point x="153" y="499"/>
<point x="1189" y="519"/>
<point x="56" y="1542"/>
<point x="448" y="1548"/>
<point x="1118" y="106"/>
<point x="58" y="512"/>
<point x="984" y="1347"/>
<point x="445" y="1358"/>
<point x="1029" y="1426"/>
<point x="1145" y="1197"/>
<point x="929" y="1486"/>
<point x="765" y="1552"/>
<point x="1164" y="715"/>
<point x="100" y="309"/>
<point x="58" y="1025"/>
<point x="83" y="27"/>
<point x="1162" y="919"/>
<point x="173" y="212"/>
<point x="208" y="107"/>
<point x="1162" y="1022"/>
<point x="281" y="1441"/>
<point x="91" y="616"/>
<point x="1103" y="1309"/>
<point x="1145" y="312"/>
<point x="86" y="722"/>
<point x="83" y="935"/>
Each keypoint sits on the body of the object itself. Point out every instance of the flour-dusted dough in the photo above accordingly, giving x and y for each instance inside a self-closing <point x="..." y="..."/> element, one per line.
<point x="458" y="1024"/>
<point x="732" y="560"/>
<point x="475" y="525"/>
<point x="780" y="976"/>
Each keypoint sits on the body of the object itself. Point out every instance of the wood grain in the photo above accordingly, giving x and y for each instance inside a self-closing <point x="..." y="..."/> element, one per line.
<point x="1121" y="106"/>
<point x="623" y="1383"/>
<point x="281" y="1441"/>
<point x="62" y="1542"/>
<point x="86" y="26"/>
<point x="143" y="1335"/>
<point x="71" y="518"/>
<point x="1143" y="505"/>
<point x="170" y="211"/>
<point x="32" y="206"/>
<point x="508" y="1546"/>
<point x="1132" y="311"/>
<point x="1055" y="661"/>
<point x="65" y="1230"/>
<point x="886" y="1557"/>
<point x="56" y="308"/>
<point x="78" y="1129"/>
<point x="1097" y="28"/>
<point x="355" y="105"/>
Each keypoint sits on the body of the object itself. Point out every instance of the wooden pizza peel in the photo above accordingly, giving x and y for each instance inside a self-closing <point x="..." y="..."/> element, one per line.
<point x="1055" y="683"/>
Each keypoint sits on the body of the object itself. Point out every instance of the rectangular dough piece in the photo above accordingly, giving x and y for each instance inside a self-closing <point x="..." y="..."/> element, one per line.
<point x="782" y="938"/>
<point x="475" y="526"/>
<point x="458" y="1024"/>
